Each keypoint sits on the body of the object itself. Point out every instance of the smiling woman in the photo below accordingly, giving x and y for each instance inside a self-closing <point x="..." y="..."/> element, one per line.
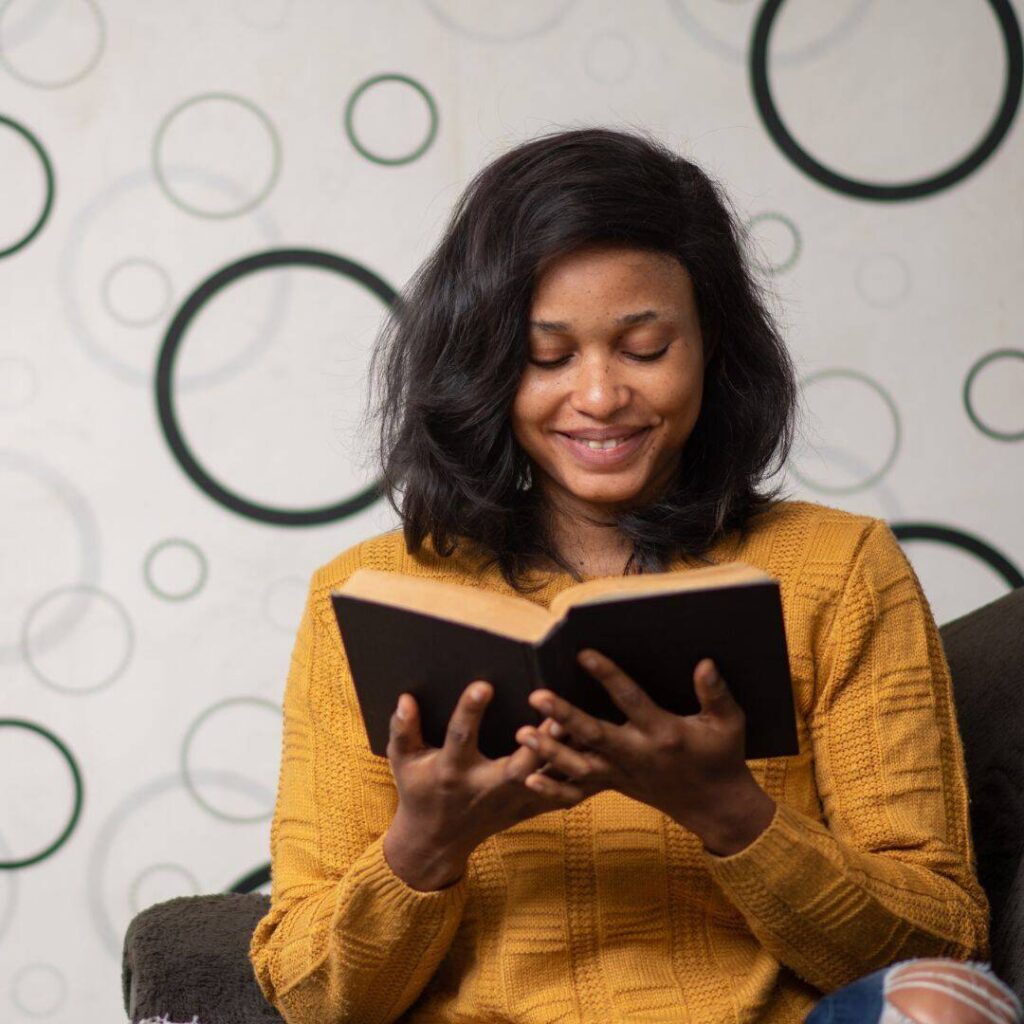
<point x="583" y="380"/>
<point x="568" y="264"/>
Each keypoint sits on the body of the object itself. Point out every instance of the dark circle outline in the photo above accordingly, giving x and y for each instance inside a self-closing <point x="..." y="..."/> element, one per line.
<point x="873" y="479"/>
<point x="74" y="691"/>
<point x="916" y="189"/>
<point x="254" y="201"/>
<point x="251" y="881"/>
<point x="165" y="367"/>
<point x="50" y="185"/>
<point x="204" y="571"/>
<point x="350" y="128"/>
<point x="37" y="83"/>
<point x="186" y="776"/>
<point x="994" y="559"/>
<point x="128" y="321"/>
<point x="788" y="222"/>
<point x="998" y="353"/>
<point x="76" y="811"/>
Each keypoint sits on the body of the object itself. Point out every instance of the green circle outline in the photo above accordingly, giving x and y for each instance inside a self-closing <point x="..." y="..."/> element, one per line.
<point x="37" y="83"/>
<point x="76" y="776"/>
<point x="350" y="129"/>
<point x="798" y="242"/>
<point x="873" y="478"/>
<point x="250" y="204"/>
<point x="155" y="550"/>
<point x="50" y="185"/>
<point x="999" y="353"/>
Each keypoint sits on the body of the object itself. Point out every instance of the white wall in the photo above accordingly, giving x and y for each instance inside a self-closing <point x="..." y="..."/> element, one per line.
<point x="146" y="625"/>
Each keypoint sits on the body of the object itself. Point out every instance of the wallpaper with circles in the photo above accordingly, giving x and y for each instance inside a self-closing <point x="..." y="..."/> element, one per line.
<point x="205" y="209"/>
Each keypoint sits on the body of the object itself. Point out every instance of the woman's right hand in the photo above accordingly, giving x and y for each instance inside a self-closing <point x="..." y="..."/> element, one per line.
<point x="452" y="798"/>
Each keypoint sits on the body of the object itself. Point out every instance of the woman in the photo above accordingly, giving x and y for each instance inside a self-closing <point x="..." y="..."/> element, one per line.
<point x="584" y="381"/>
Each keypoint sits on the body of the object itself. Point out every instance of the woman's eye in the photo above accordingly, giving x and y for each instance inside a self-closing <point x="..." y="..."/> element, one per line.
<point x="639" y="357"/>
<point x="648" y="357"/>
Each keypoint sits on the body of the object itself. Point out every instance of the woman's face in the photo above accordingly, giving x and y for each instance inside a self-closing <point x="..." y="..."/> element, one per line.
<point x="619" y="333"/>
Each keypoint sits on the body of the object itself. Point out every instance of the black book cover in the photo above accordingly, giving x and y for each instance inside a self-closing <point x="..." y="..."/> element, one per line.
<point x="657" y="639"/>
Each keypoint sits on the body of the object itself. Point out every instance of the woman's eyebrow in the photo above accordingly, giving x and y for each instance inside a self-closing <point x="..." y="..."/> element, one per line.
<point x="629" y="319"/>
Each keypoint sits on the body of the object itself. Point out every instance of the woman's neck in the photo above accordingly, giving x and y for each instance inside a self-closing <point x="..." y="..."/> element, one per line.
<point x="590" y="548"/>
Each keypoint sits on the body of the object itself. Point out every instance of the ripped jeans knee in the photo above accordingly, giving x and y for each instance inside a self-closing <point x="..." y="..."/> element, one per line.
<point x="923" y="991"/>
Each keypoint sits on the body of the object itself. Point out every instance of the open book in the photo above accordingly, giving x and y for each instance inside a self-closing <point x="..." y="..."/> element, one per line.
<point x="431" y="639"/>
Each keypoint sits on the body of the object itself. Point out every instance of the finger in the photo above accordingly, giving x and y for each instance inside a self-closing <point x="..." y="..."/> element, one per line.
<point x="523" y="760"/>
<point x="404" y="735"/>
<point x="589" y="731"/>
<point x="460" y="738"/>
<point x="712" y="691"/>
<point x="561" y="794"/>
<point x="580" y="767"/>
<point x="628" y="696"/>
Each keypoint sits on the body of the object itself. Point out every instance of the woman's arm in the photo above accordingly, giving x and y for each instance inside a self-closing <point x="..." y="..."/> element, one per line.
<point x="891" y="875"/>
<point x="345" y="938"/>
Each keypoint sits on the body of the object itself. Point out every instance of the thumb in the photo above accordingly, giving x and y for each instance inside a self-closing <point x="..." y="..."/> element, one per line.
<point x="405" y="737"/>
<point x="712" y="691"/>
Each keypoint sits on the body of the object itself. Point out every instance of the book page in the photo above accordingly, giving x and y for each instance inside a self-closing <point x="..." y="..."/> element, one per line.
<point x="497" y="613"/>
<point x="615" y="587"/>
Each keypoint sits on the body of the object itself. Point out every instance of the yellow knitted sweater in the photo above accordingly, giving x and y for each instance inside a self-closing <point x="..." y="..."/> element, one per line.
<point x="610" y="911"/>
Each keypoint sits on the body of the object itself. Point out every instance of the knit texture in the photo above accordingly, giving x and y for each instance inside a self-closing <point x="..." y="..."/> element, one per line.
<point x="610" y="911"/>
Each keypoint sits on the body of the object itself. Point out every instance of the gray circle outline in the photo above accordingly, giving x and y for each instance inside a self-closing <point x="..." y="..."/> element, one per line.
<point x="176" y="542"/>
<point x="250" y="204"/>
<point x="16" y="998"/>
<point x="90" y="540"/>
<point x="113" y="937"/>
<point x="73" y="691"/>
<point x="133" y="889"/>
<point x="869" y="481"/>
<point x="137" y="261"/>
<point x="781" y="218"/>
<point x="904" y="292"/>
<point x="186" y="743"/>
<point x="70" y="266"/>
<point x="494" y="37"/>
<point x="37" y="83"/>
<point x="790" y="58"/>
<point x="33" y="375"/>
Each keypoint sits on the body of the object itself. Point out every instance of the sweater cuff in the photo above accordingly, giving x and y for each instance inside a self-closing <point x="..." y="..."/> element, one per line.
<point x="774" y="861"/>
<point x="373" y="878"/>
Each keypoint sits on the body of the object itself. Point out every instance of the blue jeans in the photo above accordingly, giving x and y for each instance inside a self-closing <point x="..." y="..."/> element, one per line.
<point x="864" y="1001"/>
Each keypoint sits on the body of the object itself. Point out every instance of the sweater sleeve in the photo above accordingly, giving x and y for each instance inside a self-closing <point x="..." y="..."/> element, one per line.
<point x="344" y="938"/>
<point x="890" y="874"/>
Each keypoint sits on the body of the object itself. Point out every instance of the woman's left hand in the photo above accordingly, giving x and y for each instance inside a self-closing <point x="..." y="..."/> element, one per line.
<point x="690" y="767"/>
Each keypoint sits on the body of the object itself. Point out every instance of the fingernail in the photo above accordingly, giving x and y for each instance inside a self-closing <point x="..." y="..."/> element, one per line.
<point x="531" y="741"/>
<point x="478" y="693"/>
<point x="400" y="713"/>
<point x="556" y="730"/>
<point x="589" y="661"/>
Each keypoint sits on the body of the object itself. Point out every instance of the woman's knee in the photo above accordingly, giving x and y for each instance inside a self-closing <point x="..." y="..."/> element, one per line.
<point x="942" y="991"/>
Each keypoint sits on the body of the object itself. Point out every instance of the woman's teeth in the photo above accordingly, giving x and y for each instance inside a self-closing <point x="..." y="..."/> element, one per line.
<point x="612" y="442"/>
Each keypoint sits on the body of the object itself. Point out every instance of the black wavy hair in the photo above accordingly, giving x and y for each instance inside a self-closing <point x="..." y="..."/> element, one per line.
<point x="447" y="361"/>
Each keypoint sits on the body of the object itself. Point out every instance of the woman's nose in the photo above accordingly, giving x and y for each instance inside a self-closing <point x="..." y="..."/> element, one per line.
<point x="597" y="391"/>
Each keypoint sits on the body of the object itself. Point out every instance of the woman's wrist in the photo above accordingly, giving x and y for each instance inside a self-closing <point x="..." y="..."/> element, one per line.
<point x="739" y="818"/>
<point x="424" y="866"/>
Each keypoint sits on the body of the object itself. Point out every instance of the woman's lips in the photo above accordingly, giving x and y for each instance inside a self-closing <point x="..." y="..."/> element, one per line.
<point x="601" y="458"/>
